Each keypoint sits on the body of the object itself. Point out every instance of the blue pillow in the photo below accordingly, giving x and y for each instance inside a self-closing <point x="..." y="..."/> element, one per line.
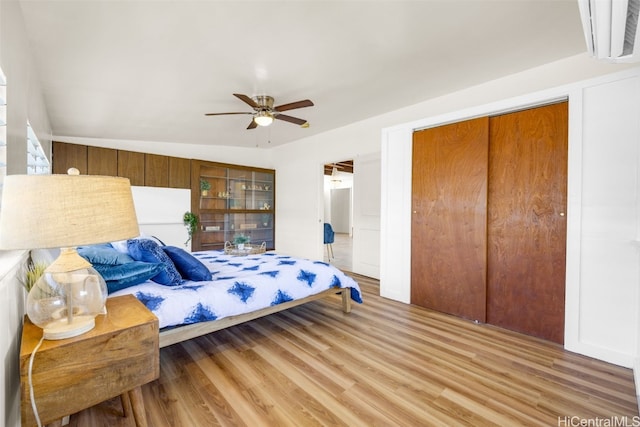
<point x="125" y="275"/>
<point x="149" y="251"/>
<point x="188" y="266"/>
<point x="103" y="254"/>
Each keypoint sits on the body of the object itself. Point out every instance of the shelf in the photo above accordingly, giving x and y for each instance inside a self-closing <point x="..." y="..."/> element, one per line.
<point x="213" y="176"/>
<point x="239" y="229"/>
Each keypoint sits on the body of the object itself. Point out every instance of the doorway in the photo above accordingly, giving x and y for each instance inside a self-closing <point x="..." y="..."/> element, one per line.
<point x="338" y="212"/>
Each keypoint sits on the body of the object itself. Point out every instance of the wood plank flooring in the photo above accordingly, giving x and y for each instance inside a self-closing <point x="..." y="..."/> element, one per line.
<point x="384" y="364"/>
<point x="342" y="252"/>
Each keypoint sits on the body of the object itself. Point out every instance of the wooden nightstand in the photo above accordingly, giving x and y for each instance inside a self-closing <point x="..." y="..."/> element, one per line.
<point x="115" y="358"/>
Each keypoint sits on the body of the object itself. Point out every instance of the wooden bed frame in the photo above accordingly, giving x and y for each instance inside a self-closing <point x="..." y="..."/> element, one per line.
<point x="178" y="334"/>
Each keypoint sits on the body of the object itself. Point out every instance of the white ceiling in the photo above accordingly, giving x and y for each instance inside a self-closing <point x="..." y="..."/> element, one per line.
<point x="150" y="70"/>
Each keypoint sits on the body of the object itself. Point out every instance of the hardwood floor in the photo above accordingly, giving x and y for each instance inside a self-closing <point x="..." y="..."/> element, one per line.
<point x="342" y="252"/>
<point x="384" y="364"/>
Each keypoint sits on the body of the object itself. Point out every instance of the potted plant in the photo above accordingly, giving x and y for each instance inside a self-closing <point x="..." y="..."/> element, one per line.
<point x="240" y="239"/>
<point x="205" y="186"/>
<point x="190" y="221"/>
<point x="34" y="270"/>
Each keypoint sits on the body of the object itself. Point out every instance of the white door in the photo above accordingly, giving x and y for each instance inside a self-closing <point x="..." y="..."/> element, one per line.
<point x="366" y="215"/>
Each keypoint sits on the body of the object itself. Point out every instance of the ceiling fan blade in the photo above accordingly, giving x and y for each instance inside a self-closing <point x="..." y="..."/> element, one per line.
<point x="246" y="99"/>
<point x="252" y="125"/>
<point x="294" y="105"/>
<point x="223" y="114"/>
<point x="290" y="119"/>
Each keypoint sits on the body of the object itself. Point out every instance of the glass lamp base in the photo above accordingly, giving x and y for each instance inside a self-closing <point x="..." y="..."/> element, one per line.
<point x="61" y="329"/>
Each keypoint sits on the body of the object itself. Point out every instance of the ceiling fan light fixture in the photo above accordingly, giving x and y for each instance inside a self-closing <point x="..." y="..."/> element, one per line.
<point x="264" y="113"/>
<point x="263" y="118"/>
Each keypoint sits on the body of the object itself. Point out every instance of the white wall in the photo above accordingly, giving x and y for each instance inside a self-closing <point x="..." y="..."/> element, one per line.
<point x="300" y="183"/>
<point x="24" y="102"/>
<point x="603" y="268"/>
<point x="299" y="207"/>
<point x="605" y="316"/>
<point x="12" y="298"/>
<point x="166" y="224"/>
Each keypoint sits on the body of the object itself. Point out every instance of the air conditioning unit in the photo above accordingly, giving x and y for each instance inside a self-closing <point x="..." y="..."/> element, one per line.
<point x="611" y="29"/>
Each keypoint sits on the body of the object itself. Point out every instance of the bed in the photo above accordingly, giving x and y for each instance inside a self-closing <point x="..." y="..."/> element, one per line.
<point x="226" y="290"/>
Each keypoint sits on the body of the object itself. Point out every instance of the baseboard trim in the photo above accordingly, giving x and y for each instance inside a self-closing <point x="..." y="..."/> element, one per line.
<point x="636" y="379"/>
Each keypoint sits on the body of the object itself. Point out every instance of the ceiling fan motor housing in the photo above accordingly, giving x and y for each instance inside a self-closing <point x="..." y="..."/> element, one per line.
<point x="264" y="101"/>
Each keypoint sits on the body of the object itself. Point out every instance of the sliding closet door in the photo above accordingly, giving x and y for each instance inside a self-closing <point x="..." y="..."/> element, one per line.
<point x="527" y="202"/>
<point x="448" y="244"/>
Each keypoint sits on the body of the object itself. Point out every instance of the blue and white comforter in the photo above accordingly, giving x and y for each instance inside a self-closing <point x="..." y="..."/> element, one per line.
<point x="240" y="285"/>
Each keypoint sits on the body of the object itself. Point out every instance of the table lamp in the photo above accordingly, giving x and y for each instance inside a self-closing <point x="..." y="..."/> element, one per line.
<point x="66" y="211"/>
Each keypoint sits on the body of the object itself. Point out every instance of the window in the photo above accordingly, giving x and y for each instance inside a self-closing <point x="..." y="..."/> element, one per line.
<point x="37" y="162"/>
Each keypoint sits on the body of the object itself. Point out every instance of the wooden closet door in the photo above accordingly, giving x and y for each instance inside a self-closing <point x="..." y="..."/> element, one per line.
<point x="527" y="221"/>
<point x="448" y="227"/>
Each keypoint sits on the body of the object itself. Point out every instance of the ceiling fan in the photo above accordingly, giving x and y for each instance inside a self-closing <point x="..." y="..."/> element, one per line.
<point x="264" y="112"/>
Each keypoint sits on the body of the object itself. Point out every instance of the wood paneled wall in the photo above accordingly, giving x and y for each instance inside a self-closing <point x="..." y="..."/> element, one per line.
<point x="142" y="169"/>
<point x="65" y="156"/>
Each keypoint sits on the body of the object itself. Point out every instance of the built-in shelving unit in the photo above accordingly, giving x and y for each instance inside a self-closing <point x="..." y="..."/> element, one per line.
<point x="231" y="200"/>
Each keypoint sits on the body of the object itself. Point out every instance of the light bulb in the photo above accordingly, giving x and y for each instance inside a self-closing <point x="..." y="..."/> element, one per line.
<point x="263" y="118"/>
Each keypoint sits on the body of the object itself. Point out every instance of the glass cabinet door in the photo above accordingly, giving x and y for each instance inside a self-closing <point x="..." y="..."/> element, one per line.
<point x="216" y="229"/>
<point x="231" y="201"/>
<point x="212" y="188"/>
<point x="250" y="190"/>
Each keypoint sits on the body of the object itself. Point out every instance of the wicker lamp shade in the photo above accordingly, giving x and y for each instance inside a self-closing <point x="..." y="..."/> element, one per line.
<point x="52" y="211"/>
<point x="65" y="211"/>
